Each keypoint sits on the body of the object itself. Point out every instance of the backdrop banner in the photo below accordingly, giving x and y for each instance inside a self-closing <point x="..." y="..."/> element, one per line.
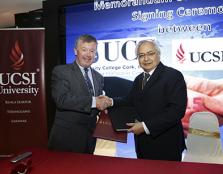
<point x="22" y="90"/>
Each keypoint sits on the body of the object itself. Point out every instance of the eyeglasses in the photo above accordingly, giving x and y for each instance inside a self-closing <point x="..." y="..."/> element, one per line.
<point x="148" y="54"/>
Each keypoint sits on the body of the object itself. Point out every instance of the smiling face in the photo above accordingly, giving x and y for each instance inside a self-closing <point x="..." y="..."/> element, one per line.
<point x="148" y="56"/>
<point x="85" y="53"/>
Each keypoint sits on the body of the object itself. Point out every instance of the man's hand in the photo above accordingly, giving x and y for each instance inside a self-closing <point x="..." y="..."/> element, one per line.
<point x="103" y="102"/>
<point x="136" y="128"/>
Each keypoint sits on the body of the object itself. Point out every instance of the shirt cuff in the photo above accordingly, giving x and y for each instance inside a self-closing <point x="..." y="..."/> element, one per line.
<point x="93" y="105"/>
<point x="112" y="102"/>
<point x="145" y="128"/>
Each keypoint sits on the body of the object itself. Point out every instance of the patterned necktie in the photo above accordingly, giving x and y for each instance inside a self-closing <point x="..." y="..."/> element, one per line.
<point x="88" y="82"/>
<point x="145" y="79"/>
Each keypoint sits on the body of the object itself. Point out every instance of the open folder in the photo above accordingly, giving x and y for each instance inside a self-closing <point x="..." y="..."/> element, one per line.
<point x="112" y="126"/>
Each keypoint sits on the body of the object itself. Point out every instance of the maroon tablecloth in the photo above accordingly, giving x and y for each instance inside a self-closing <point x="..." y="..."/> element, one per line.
<point x="45" y="161"/>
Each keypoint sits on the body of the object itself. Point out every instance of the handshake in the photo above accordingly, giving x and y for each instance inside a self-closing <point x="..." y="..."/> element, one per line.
<point x="103" y="102"/>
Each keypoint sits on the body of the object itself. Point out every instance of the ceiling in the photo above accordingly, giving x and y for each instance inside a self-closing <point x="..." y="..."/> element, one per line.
<point x="10" y="7"/>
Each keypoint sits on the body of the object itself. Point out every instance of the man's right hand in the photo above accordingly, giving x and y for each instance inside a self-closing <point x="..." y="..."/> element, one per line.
<point x="103" y="102"/>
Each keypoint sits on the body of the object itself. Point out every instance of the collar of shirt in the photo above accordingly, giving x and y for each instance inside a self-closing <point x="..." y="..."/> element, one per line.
<point x="150" y="73"/>
<point x="89" y="73"/>
<point x="83" y="72"/>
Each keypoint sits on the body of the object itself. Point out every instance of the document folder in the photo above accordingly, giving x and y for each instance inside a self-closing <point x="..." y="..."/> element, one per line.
<point x="122" y="115"/>
<point x="104" y="130"/>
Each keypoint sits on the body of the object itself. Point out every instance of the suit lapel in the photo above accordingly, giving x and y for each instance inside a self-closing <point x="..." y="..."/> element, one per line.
<point x="78" y="75"/>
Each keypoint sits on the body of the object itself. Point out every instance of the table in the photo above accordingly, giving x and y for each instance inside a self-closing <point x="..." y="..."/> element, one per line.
<point x="45" y="161"/>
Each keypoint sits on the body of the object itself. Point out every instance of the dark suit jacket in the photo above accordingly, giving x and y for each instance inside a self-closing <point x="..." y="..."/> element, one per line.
<point x="161" y="105"/>
<point x="75" y="119"/>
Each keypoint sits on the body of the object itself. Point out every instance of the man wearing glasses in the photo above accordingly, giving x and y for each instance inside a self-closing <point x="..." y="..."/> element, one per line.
<point x="159" y="97"/>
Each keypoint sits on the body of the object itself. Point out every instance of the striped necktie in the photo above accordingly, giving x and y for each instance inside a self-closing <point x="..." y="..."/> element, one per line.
<point x="88" y="82"/>
<point x="145" y="79"/>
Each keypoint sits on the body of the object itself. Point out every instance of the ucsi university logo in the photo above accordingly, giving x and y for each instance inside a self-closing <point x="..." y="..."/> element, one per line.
<point x="198" y="54"/>
<point x="20" y="81"/>
<point x="16" y="56"/>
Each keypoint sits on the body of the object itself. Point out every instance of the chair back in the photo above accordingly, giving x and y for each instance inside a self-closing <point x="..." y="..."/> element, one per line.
<point x="203" y="139"/>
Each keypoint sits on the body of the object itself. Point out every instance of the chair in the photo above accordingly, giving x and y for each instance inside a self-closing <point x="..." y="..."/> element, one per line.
<point x="203" y="139"/>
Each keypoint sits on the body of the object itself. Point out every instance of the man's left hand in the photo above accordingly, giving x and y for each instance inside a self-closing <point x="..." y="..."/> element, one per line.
<point x="136" y="128"/>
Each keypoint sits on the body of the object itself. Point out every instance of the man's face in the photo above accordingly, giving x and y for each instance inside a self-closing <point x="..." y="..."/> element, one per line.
<point x="148" y="56"/>
<point x="85" y="53"/>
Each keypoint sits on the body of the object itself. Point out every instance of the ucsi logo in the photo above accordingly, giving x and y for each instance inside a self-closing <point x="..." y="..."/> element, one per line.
<point x="20" y="81"/>
<point x="198" y="54"/>
<point x="16" y="56"/>
<point x="180" y="54"/>
<point x="17" y="78"/>
<point x="206" y="56"/>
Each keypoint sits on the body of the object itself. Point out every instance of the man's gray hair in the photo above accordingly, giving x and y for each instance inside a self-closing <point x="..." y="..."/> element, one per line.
<point x="85" y="38"/>
<point x="155" y="44"/>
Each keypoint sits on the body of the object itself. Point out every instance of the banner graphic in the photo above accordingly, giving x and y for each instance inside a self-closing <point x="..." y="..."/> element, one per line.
<point x="22" y="90"/>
